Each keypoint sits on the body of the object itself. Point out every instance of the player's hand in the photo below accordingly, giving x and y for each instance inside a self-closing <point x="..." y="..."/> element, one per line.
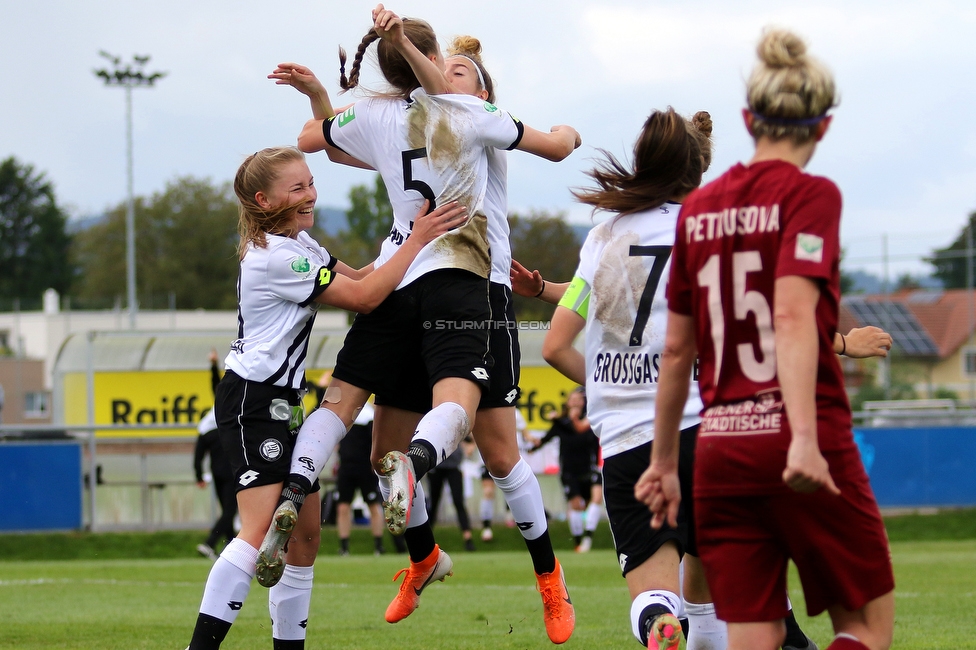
<point x="569" y="132"/>
<point x="428" y="227"/>
<point x="806" y="468"/>
<point x="660" y="491"/>
<point x="524" y="282"/>
<point x="298" y="77"/>
<point x="863" y="342"/>
<point x="212" y="357"/>
<point x="201" y="484"/>
<point x="387" y="24"/>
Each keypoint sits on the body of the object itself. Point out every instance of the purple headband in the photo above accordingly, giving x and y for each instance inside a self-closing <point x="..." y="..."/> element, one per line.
<point x="783" y="121"/>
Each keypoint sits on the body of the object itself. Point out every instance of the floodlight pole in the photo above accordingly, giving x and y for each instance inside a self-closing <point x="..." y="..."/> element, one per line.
<point x="129" y="76"/>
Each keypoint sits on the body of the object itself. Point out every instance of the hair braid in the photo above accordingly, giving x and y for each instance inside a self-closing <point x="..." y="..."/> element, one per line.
<point x="353" y="80"/>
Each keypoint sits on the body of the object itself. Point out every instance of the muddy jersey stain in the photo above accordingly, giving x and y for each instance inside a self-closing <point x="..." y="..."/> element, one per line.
<point x="417" y="125"/>
<point x="617" y="287"/>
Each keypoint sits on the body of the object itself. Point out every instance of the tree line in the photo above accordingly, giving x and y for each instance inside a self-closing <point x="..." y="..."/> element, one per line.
<point x="186" y="245"/>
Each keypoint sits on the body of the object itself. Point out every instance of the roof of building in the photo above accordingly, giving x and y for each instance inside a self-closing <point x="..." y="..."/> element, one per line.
<point x="922" y="322"/>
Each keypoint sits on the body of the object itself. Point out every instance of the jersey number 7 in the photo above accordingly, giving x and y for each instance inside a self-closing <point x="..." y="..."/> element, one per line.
<point x="660" y="255"/>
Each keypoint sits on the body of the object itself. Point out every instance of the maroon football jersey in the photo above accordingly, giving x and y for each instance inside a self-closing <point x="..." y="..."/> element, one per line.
<point x="735" y="237"/>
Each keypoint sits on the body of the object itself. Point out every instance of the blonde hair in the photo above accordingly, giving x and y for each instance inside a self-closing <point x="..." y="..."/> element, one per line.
<point x="470" y="48"/>
<point x="788" y="92"/>
<point x="256" y="174"/>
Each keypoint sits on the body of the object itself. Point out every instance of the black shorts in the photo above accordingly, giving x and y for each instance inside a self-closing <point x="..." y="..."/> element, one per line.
<point x="630" y="520"/>
<point x="436" y="327"/>
<point x="362" y="478"/>
<point x="577" y="485"/>
<point x="503" y="386"/>
<point x="413" y="392"/>
<point x="257" y="428"/>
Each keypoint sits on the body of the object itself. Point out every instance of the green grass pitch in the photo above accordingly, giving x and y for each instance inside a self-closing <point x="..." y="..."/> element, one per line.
<point x="490" y="603"/>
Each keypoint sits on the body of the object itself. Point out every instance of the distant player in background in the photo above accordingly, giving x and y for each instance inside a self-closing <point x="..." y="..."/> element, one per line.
<point x="579" y="449"/>
<point x="449" y="471"/>
<point x="222" y="476"/>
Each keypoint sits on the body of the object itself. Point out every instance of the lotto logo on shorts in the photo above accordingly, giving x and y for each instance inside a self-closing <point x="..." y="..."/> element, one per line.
<point x="270" y="450"/>
<point x="248" y="477"/>
<point x="280" y="410"/>
<point x="480" y="374"/>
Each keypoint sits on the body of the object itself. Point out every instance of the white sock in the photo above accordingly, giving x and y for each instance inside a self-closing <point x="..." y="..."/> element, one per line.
<point x="229" y="581"/>
<point x="317" y="439"/>
<point x="592" y="517"/>
<point x="487" y="509"/>
<point x="418" y="507"/>
<point x="524" y="497"/>
<point x="443" y="428"/>
<point x="645" y="599"/>
<point x="288" y="602"/>
<point x="705" y="630"/>
<point x="575" y="519"/>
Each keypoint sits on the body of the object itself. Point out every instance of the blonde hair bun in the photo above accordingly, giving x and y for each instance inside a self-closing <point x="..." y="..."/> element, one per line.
<point x="465" y="45"/>
<point x="780" y="48"/>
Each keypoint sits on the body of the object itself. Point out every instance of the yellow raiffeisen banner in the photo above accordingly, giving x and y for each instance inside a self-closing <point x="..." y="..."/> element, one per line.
<point x="182" y="397"/>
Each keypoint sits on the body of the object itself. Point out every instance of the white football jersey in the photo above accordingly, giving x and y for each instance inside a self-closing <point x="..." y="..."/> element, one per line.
<point x="431" y="147"/>
<point x="276" y="292"/>
<point x="624" y="266"/>
<point x="496" y="208"/>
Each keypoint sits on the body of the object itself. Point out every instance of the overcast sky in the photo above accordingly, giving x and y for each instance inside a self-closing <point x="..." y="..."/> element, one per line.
<point x="902" y="146"/>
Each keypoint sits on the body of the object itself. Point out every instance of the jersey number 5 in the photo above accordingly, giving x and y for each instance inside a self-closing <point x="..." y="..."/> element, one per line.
<point x="418" y="186"/>
<point x="745" y="303"/>
<point x="660" y="255"/>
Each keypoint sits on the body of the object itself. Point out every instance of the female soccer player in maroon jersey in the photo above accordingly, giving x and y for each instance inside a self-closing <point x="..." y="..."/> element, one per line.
<point x="754" y="294"/>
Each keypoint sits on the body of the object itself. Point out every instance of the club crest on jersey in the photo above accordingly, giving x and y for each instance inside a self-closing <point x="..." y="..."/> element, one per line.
<point x="300" y="265"/>
<point x="491" y="108"/>
<point x="280" y="410"/>
<point x="270" y="450"/>
<point x="809" y="248"/>
<point x="347" y="116"/>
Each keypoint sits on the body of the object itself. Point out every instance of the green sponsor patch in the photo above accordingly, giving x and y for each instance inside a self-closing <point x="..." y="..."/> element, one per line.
<point x="300" y="265"/>
<point x="491" y="108"/>
<point x="347" y="116"/>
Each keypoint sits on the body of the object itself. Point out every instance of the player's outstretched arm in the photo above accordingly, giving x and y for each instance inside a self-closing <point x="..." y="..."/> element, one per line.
<point x="531" y="285"/>
<point x="556" y="145"/>
<point x="362" y="296"/>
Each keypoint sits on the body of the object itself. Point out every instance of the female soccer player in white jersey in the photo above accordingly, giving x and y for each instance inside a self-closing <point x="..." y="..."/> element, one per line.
<point x="754" y="293"/>
<point x="495" y="425"/>
<point x="284" y="276"/>
<point x="616" y="298"/>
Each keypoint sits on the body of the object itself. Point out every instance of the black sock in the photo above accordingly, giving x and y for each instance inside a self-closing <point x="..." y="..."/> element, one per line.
<point x="344" y="544"/>
<point x="685" y="626"/>
<point x="295" y="490"/>
<point x="577" y="539"/>
<point x="794" y="635"/>
<point x="378" y="543"/>
<point x="424" y="457"/>
<point x="208" y="633"/>
<point x="295" y="644"/>
<point x="588" y="533"/>
<point x="540" y="549"/>
<point x="486" y="523"/>
<point x="647" y="617"/>
<point x="420" y="542"/>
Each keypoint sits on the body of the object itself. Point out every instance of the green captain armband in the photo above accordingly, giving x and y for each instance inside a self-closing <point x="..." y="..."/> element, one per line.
<point x="577" y="297"/>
